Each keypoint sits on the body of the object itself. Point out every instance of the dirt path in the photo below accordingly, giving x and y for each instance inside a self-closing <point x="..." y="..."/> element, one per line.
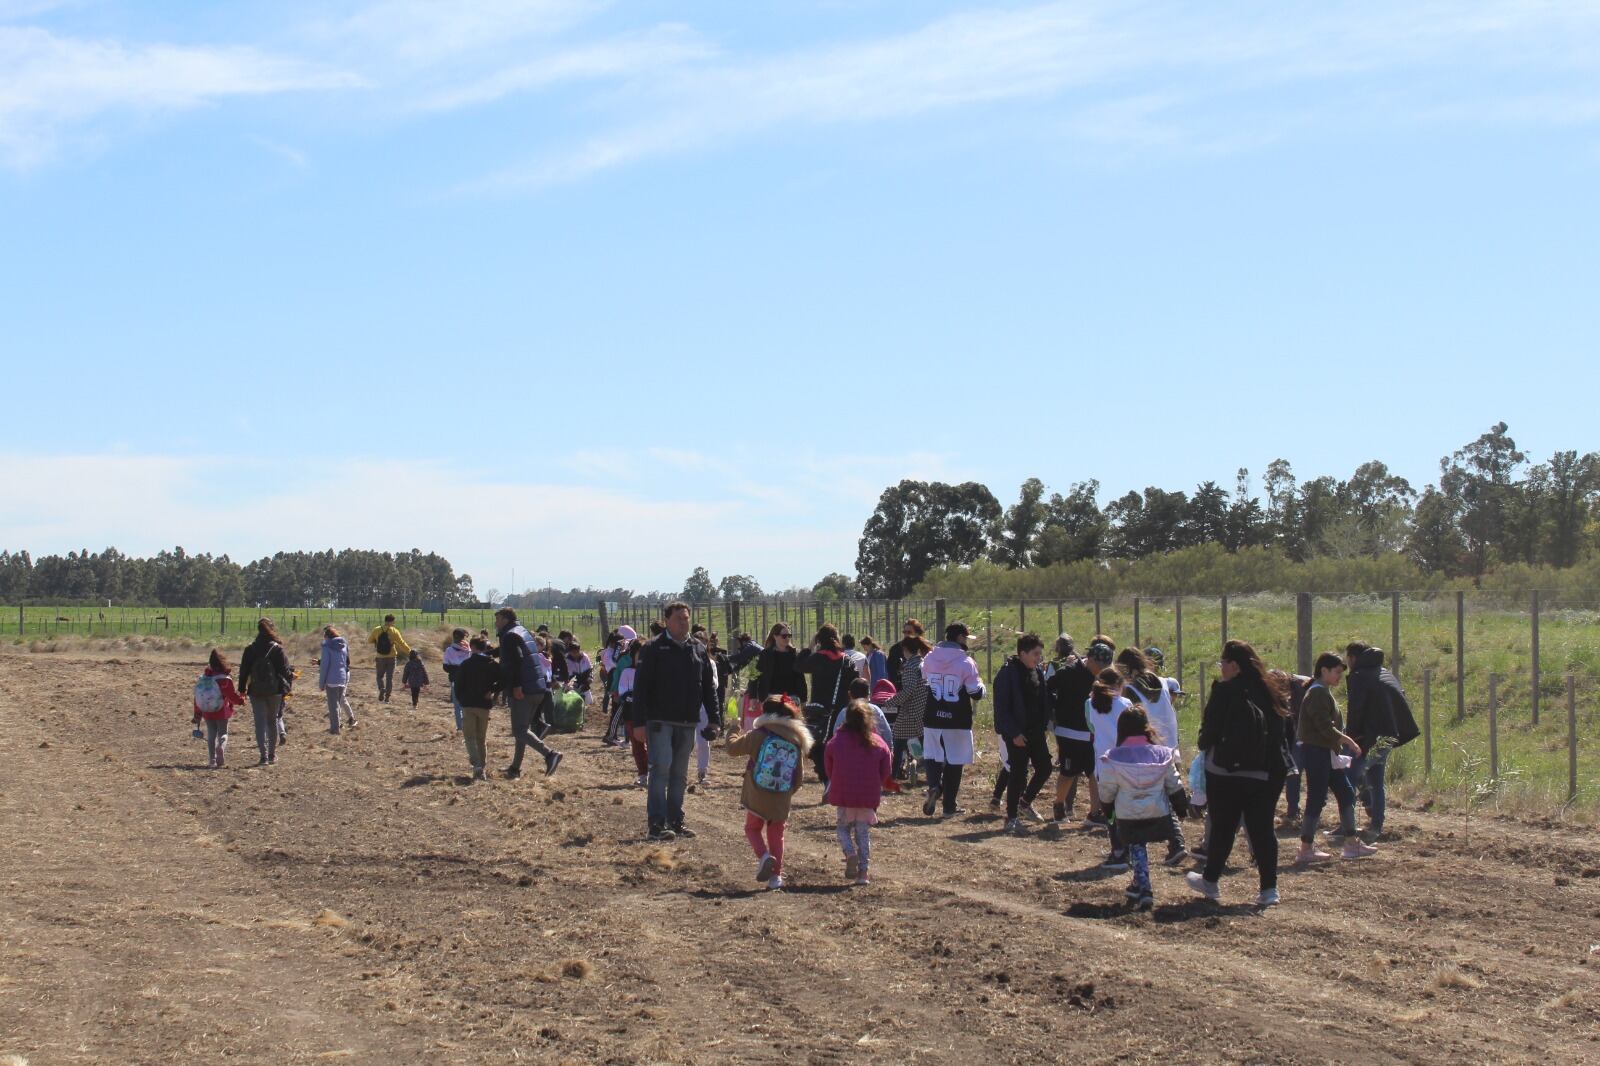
<point x="360" y="901"/>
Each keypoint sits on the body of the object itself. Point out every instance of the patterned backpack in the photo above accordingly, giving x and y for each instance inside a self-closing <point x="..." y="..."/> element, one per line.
<point x="776" y="766"/>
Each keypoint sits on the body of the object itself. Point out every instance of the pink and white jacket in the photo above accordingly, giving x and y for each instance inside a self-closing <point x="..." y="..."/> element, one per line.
<point x="953" y="683"/>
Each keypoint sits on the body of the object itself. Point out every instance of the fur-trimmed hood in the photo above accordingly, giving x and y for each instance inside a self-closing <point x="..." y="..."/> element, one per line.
<point x="791" y="729"/>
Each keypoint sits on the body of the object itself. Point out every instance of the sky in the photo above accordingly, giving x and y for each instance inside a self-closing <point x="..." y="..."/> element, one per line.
<point x="602" y="292"/>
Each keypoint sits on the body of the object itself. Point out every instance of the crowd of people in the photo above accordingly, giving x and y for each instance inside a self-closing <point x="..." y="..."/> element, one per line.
<point x="872" y="721"/>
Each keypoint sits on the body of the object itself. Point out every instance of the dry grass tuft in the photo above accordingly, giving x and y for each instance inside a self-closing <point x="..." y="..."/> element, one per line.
<point x="1415" y="1017"/>
<point x="1566" y="1001"/>
<point x="577" y="969"/>
<point x="659" y="859"/>
<point x="1377" y="966"/>
<point x="1452" y="976"/>
<point x="329" y="920"/>
<point x="13" y="1060"/>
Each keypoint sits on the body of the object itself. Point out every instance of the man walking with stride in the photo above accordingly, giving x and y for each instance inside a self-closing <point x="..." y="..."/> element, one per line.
<point x="387" y="642"/>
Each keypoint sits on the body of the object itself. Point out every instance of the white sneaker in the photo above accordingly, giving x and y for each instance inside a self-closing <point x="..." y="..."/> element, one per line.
<point x="1030" y="814"/>
<point x="776" y="882"/>
<point x="1198" y="884"/>
<point x="1268" y="897"/>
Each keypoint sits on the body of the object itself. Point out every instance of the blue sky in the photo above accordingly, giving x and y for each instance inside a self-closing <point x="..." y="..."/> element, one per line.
<point x="604" y="291"/>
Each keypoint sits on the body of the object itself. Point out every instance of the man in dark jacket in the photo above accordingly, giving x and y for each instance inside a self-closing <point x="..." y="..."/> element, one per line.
<point x="1021" y="716"/>
<point x="526" y="686"/>
<point x="671" y="683"/>
<point x="1378" y="717"/>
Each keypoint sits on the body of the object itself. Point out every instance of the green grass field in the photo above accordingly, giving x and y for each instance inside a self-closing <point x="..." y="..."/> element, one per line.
<point x="1532" y="759"/>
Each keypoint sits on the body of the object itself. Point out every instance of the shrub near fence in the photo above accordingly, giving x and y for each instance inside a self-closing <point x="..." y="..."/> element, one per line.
<point x="239" y="622"/>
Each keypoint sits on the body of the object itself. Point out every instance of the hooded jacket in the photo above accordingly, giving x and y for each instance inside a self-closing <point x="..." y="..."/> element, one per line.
<point x="1019" y="708"/>
<point x="770" y="806"/>
<point x="1377" y="704"/>
<point x="1069" y="688"/>
<point x="857" y="771"/>
<point x="454" y="655"/>
<point x="1136" y="779"/>
<point x="1227" y="704"/>
<point x="831" y="673"/>
<point x="953" y="683"/>
<point x="334" y="669"/>
<point x="282" y="672"/>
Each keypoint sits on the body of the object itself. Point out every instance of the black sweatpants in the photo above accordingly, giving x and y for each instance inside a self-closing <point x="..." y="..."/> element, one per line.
<point x="1021" y="787"/>
<point x="1234" y="799"/>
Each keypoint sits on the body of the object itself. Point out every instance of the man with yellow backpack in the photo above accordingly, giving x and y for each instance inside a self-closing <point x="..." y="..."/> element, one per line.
<point x="388" y="643"/>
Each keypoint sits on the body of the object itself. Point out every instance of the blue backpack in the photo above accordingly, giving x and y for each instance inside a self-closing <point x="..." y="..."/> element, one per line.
<point x="776" y="766"/>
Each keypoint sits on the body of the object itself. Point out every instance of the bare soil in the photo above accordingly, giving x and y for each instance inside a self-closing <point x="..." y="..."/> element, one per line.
<point x="364" y="901"/>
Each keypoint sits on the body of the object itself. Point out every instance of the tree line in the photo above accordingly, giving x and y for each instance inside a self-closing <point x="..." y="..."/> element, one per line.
<point x="176" y="578"/>
<point x="1489" y="509"/>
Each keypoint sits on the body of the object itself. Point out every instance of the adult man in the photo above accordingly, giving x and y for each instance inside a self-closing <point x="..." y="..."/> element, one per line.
<point x="671" y="683"/>
<point x="1378" y="717"/>
<point x="1021" y="712"/>
<point x="526" y="685"/>
<point x="953" y="683"/>
<point x="387" y="642"/>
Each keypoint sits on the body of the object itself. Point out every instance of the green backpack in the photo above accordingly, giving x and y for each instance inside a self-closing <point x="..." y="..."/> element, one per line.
<point x="566" y="712"/>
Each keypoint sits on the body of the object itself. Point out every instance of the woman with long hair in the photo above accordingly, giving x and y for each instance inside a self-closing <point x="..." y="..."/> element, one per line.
<point x="831" y="673"/>
<point x="267" y="676"/>
<point x="778" y="667"/>
<point x="1242" y="736"/>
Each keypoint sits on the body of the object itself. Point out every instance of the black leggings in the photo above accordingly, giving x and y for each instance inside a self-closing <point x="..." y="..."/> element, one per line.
<point x="1230" y="800"/>
<point x="945" y="779"/>
<point x="1020" y="786"/>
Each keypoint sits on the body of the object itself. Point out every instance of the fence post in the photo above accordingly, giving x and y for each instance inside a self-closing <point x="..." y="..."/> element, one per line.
<point x="988" y="641"/>
<point x="1494" y="730"/>
<point x="819" y="614"/>
<point x="1177" y="610"/>
<point x="1535" y="694"/>
<point x="1136" y="622"/>
<point x="1572" y="739"/>
<point x="1097" y="627"/>
<point x="1061" y="620"/>
<point x="1224" y="619"/>
<point x="223" y="611"/>
<point x="1302" y="623"/>
<point x="1022" y="616"/>
<point x="1461" y="658"/>
<point x="604" y="628"/>
<point x="938" y="619"/>
<point x="1394" y="632"/>
<point x="1427" y="722"/>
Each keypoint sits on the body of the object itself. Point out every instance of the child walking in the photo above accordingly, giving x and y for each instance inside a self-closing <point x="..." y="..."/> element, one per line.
<point x="215" y="700"/>
<point x="858" y="763"/>
<point x="776" y="748"/>
<point x="1138" y="781"/>
<point x="477" y="681"/>
<point x="415" y="677"/>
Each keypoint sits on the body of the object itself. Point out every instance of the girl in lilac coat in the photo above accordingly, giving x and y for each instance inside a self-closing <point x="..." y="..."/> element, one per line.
<point x="858" y="763"/>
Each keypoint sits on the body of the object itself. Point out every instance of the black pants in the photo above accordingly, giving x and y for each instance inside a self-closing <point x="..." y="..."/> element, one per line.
<point x="1021" y="787"/>
<point x="820" y="725"/>
<point x="945" y="779"/>
<point x="1230" y="800"/>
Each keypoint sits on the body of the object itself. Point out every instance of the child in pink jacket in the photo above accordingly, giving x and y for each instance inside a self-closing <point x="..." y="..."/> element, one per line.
<point x="858" y="763"/>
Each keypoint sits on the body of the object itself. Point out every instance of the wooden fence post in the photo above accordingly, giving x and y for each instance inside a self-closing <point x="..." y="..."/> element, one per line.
<point x="1224" y="619"/>
<point x="1461" y="658"/>
<point x="1427" y="722"/>
<point x="938" y="619"/>
<point x="1061" y="620"/>
<point x="1394" y="633"/>
<point x="1022" y="617"/>
<point x="1136" y="622"/>
<point x="1494" y="729"/>
<point x="988" y="642"/>
<point x="1302" y="622"/>
<point x="1097" y="627"/>
<point x="1572" y="739"/>
<point x="1535" y="657"/>
<point x="1177" y="652"/>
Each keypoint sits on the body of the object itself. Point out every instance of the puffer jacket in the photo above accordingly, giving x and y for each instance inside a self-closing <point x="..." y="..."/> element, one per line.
<point x="1136" y="778"/>
<point x="334" y="669"/>
<point x="1377" y="704"/>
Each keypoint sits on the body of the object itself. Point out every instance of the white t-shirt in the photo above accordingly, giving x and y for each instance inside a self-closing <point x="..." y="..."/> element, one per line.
<point x="1103" y="727"/>
<point x="1163" y="715"/>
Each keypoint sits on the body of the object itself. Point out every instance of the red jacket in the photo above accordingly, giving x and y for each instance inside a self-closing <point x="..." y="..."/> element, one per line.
<point x="856" y="771"/>
<point x="231" y="700"/>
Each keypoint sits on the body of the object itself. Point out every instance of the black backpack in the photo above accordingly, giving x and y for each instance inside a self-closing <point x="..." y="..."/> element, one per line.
<point x="385" y="645"/>
<point x="1243" y="744"/>
<point x="264" y="678"/>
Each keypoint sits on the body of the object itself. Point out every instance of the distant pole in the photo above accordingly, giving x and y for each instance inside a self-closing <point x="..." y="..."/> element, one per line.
<point x="1535" y="657"/>
<point x="1394" y="633"/>
<point x="605" y="627"/>
<point x="1177" y="612"/>
<point x="1097" y="627"/>
<point x="1427" y="722"/>
<point x="1224" y="620"/>
<point x="1572" y="738"/>
<point x="1061" y="620"/>
<point x="1302" y="613"/>
<point x="1461" y="656"/>
<point x="1136" y="622"/>
<point x="1022" y="616"/>
<point x="1494" y="729"/>
<point x="988" y="639"/>
<point x="938" y="619"/>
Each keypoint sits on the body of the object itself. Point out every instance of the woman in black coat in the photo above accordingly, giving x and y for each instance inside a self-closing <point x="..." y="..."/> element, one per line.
<point x="831" y="673"/>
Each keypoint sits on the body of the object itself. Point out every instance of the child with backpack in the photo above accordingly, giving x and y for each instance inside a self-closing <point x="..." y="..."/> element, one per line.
<point x="859" y="761"/>
<point x="776" y="749"/>
<point x="215" y="700"/>
<point x="415" y="676"/>
<point x="1138" y="781"/>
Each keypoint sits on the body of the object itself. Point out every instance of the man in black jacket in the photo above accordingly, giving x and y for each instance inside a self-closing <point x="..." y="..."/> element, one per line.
<point x="672" y="681"/>
<point x="1378" y="717"/>
<point x="1021" y="717"/>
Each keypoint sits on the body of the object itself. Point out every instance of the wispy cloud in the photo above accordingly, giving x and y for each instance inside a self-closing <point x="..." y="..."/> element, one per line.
<point x="293" y="156"/>
<point x="52" y="85"/>
<point x="426" y="32"/>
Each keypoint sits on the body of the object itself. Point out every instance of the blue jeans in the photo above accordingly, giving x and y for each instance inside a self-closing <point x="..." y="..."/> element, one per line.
<point x="457" y="704"/>
<point x="1320" y="778"/>
<point x="670" y="744"/>
<point x="1366" y="774"/>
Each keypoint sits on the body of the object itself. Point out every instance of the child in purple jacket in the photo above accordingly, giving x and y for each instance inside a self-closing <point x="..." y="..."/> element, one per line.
<point x="858" y="763"/>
